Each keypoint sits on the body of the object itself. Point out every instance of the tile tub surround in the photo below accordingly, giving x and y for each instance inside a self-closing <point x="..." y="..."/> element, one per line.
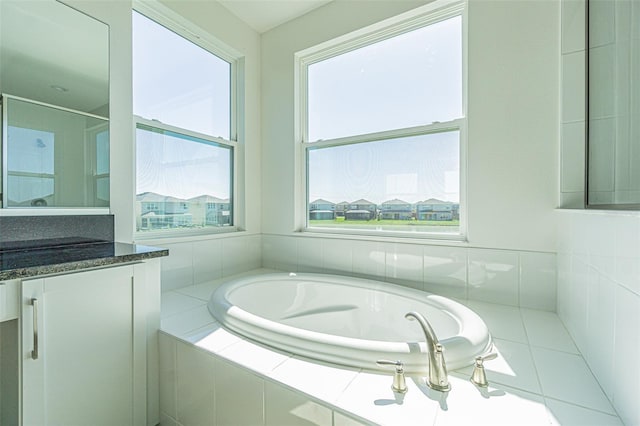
<point x="200" y="260"/>
<point x="211" y="376"/>
<point x="516" y="278"/>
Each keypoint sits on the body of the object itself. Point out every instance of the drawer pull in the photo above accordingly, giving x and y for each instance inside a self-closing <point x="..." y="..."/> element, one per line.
<point x="34" y="352"/>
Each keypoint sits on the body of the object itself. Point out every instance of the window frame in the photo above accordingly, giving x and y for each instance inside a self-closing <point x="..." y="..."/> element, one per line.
<point x="421" y="17"/>
<point x="165" y="17"/>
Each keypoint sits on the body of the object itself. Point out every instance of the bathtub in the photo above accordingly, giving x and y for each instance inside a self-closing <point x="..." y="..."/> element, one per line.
<point x="347" y="321"/>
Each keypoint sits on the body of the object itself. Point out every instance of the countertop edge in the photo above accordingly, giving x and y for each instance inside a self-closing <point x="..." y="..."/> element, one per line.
<point x="76" y="266"/>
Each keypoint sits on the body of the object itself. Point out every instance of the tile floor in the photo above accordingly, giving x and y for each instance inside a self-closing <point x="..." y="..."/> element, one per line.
<point x="540" y="378"/>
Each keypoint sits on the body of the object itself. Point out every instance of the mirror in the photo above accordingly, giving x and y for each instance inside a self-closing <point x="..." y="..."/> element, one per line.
<point x="54" y="77"/>
<point x="613" y="130"/>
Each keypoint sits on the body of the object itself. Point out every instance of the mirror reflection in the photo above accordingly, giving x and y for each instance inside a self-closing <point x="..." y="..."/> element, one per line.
<point x="54" y="80"/>
<point x="55" y="157"/>
<point x="614" y="104"/>
<point x="52" y="53"/>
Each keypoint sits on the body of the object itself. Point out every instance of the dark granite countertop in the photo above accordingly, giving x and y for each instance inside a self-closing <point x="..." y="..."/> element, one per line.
<point x="20" y="263"/>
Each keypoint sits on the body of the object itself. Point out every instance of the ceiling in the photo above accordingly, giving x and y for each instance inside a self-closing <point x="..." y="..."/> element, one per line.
<point x="52" y="53"/>
<point x="263" y="15"/>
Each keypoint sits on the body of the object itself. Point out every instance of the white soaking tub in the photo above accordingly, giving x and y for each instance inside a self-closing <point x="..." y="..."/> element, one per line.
<point x="348" y="321"/>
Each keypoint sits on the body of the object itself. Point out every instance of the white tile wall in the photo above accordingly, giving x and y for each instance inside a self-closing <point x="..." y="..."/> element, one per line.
<point x="404" y="264"/>
<point x="626" y="353"/>
<point x="572" y="200"/>
<point x="168" y="385"/>
<point x="599" y="299"/>
<point x="602" y="66"/>
<point x="510" y="277"/>
<point x="280" y="253"/>
<point x="573" y="90"/>
<point x="538" y="281"/>
<point x="199" y="261"/>
<point x="337" y="257"/>
<point x="286" y="407"/>
<point x="573" y="25"/>
<point x="445" y="271"/>
<point x="369" y="259"/>
<point x="308" y="253"/>
<point x="240" y="254"/>
<point x="195" y="379"/>
<point x="238" y="396"/>
<point x="602" y="23"/>
<point x="177" y="268"/>
<point x="572" y="158"/>
<point x="207" y="259"/>
<point x="493" y="276"/>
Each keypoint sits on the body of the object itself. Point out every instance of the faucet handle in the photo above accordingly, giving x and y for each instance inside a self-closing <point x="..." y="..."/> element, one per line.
<point x="399" y="384"/>
<point x="479" y="376"/>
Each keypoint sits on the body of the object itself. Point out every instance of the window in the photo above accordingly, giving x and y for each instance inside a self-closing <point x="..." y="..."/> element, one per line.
<point x="382" y="122"/>
<point x="185" y="131"/>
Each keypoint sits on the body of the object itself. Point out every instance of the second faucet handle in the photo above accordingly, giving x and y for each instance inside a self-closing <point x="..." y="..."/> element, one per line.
<point x="399" y="383"/>
<point x="479" y="376"/>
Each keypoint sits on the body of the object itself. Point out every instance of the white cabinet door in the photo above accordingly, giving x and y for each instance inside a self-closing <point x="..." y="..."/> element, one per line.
<point x="77" y="348"/>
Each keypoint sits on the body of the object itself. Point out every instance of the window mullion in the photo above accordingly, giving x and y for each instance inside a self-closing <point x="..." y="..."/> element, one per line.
<point x="173" y="129"/>
<point x="437" y="127"/>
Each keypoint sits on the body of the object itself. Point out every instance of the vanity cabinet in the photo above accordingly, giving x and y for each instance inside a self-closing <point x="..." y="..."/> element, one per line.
<point x="83" y="347"/>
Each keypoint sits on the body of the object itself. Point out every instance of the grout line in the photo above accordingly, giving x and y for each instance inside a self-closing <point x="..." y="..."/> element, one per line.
<point x="583" y="406"/>
<point x="535" y="366"/>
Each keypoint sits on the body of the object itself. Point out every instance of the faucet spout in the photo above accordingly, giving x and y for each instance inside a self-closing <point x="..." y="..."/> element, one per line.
<point x="438" y="378"/>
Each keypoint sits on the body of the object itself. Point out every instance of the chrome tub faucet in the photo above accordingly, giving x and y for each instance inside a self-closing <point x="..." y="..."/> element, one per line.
<point x="438" y="378"/>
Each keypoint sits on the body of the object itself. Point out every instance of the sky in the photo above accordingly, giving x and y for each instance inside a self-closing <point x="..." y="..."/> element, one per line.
<point x="178" y="82"/>
<point x="409" y="80"/>
<point x="353" y="94"/>
<point x="411" y="169"/>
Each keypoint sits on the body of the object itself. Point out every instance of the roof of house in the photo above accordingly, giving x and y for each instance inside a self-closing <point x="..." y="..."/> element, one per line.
<point x="395" y="201"/>
<point x="209" y="199"/>
<point x="151" y="197"/>
<point x="434" y="201"/>
<point x="362" y="201"/>
<point x="322" y="201"/>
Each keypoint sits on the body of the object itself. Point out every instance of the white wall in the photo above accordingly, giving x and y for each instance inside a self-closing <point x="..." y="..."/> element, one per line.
<point x="513" y="123"/>
<point x="512" y="111"/>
